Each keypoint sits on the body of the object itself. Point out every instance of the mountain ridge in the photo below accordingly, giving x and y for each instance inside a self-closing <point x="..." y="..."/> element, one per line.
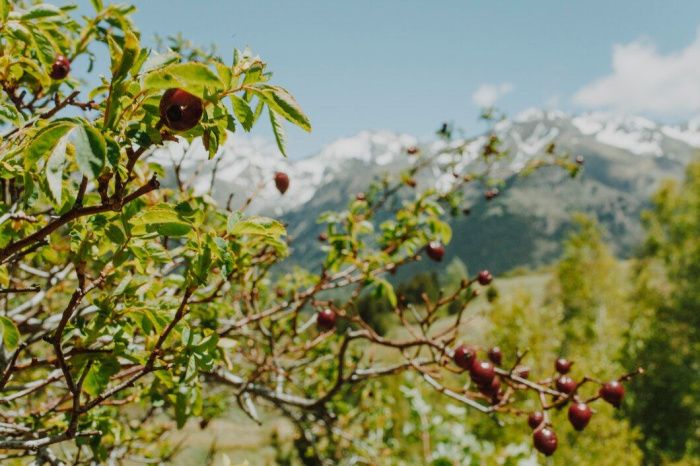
<point x="626" y="158"/>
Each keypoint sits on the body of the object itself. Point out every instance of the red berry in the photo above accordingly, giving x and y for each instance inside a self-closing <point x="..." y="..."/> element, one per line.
<point x="535" y="419"/>
<point x="566" y="384"/>
<point x="484" y="277"/>
<point x="545" y="441"/>
<point x="563" y="366"/>
<point x="282" y="182"/>
<point x="522" y="372"/>
<point x="492" y="388"/>
<point x="360" y="196"/>
<point x="326" y="319"/>
<point x="496" y="355"/>
<point x="482" y="372"/>
<point x="60" y="67"/>
<point x="580" y="160"/>
<point x="612" y="392"/>
<point x="435" y="250"/>
<point x="412" y="150"/>
<point x="490" y="194"/>
<point x="464" y="357"/>
<point x="579" y="415"/>
<point x="180" y="110"/>
<point x="323" y="236"/>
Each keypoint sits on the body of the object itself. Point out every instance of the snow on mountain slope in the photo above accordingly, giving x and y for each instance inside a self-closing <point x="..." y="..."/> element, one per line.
<point x="246" y="165"/>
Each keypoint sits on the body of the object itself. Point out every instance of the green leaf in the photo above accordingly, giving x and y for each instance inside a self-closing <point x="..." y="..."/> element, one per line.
<point x="157" y="60"/>
<point x="233" y="219"/>
<point x="98" y="378"/>
<point x="43" y="10"/>
<point x="54" y="168"/>
<point x="283" y="104"/>
<point x="4" y="10"/>
<point x="243" y="112"/>
<point x="97" y="5"/>
<point x="384" y="288"/>
<point x="130" y="51"/>
<point x="161" y="218"/>
<point x="193" y="77"/>
<point x="45" y="141"/>
<point x="43" y="46"/>
<point x="10" y="333"/>
<point x="90" y="150"/>
<point x="258" y="226"/>
<point x="278" y="129"/>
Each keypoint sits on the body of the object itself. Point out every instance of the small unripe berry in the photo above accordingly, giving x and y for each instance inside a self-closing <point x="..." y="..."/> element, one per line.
<point x="484" y="277"/>
<point x="545" y="441"/>
<point x="565" y="384"/>
<point x="563" y="366"/>
<point x="535" y="419"/>
<point x="482" y="372"/>
<point x="326" y="319"/>
<point x="496" y="355"/>
<point x="435" y="250"/>
<point x="282" y="182"/>
<point x="464" y="357"/>
<point x="579" y="415"/>
<point x="612" y="392"/>
<point x="60" y="68"/>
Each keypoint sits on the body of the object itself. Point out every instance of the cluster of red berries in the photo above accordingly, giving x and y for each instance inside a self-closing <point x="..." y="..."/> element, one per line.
<point x="579" y="413"/>
<point x="483" y="374"/>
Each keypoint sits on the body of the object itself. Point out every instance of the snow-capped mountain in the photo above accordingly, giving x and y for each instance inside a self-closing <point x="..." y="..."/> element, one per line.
<point x="626" y="157"/>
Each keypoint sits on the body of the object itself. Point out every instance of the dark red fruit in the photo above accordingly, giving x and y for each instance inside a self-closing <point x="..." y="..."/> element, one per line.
<point x="466" y="211"/>
<point x="435" y="250"/>
<point x="323" y="236"/>
<point x="612" y="392"/>
<point x="412" y="150"/>
<point x="579" y="415"/>
<point x="360" y="196"/>
<point x="566" y="384"/>
<point x="484" y="277"/>
<point x="535" y="419"/>
<point x="464" y="357"/>
<point x="482" y="372"/>
<point x="490" y="194"/>
<point x="563" y="366"/>
<point x="545" y="441"/>
<point x="496" y="355"/>
<point x="60" y="67"/>
<point x="492" y="388"/>
<point x="326" y="319"/>
<point x="580" y="160"/>
<point x="180" y="110"/>
<point x="282" y="182"/>
<point x="522" y="371"/>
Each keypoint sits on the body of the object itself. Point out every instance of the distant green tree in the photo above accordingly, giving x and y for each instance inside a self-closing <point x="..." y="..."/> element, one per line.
<point x="589" y="286"/>
<point x="663" y="335"/>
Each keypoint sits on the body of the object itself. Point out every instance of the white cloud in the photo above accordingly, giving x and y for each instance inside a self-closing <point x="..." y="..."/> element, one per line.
<point x="487" y="94"/>
<point x="643" y="80"/>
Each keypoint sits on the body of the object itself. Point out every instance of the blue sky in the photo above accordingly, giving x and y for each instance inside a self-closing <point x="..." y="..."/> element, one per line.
<point x="407" y="65"/>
